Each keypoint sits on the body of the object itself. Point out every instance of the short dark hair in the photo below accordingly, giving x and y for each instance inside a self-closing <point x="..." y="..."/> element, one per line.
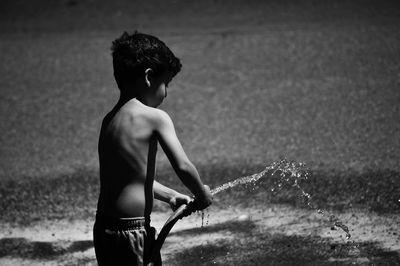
<point x="133" y="53"/>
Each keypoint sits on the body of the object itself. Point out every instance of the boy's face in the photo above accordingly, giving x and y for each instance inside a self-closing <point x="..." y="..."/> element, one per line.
<point x="158" y="87"/>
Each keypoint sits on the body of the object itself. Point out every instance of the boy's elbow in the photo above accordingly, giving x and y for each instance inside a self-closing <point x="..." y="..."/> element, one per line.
<point x="184" y="167"/>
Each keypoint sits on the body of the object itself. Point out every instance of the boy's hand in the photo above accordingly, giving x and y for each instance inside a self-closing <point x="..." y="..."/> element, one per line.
<point x="178" y="200"/>
<point x="200" y="203"/>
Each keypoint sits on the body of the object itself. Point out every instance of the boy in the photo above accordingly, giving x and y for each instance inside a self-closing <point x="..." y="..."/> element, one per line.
<point x="130" y="133"/>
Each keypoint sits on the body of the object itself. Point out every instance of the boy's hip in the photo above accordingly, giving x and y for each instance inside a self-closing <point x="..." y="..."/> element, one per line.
<point x="123" y="240"/>
<point x="120" y="224"/>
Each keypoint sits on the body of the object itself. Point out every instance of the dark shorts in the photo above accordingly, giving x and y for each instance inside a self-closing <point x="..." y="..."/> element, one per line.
<point x="123" y="241"/>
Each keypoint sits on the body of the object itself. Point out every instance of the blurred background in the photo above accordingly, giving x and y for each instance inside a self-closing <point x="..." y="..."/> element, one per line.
<point x="312" y="81"/>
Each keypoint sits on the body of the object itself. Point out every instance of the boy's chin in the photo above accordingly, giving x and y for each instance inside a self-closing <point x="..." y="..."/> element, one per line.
<point x="160" y="103"/>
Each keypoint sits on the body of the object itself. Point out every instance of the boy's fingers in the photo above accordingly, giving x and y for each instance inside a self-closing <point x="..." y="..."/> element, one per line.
<point x="188" y="199"/>
<point x="190" y="208"/>
<point x="184" y="200"/>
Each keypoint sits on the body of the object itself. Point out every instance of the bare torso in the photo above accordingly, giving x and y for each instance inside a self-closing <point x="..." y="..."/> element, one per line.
<point x="127" y="152"/>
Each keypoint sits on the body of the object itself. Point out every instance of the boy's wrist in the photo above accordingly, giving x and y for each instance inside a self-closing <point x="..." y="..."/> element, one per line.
<point x="178" y="200"/>
<point x="201" y="193"/>
<point x="203" y="200"/>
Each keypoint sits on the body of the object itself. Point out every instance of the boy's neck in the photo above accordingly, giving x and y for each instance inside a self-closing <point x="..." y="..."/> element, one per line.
<point x="142" y="94"/>
<point x="123" y="99"/>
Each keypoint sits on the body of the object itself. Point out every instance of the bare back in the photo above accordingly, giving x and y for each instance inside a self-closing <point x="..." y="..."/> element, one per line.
<point x="127" y="152"/>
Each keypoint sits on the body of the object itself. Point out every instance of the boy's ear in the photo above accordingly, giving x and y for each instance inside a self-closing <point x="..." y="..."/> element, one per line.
<point x="148" y="76"/>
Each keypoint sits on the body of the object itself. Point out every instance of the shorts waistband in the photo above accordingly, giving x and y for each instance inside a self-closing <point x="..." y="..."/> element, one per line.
<point x="113" y="223"/>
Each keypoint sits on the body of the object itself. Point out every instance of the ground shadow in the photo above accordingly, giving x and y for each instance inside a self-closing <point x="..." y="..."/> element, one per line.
<point x="377" y="190"/>
<point x="74" y="195"/>
<point x="280" y="249"/>
<point x="66" y="196"/>
<point x="24" y="248"/>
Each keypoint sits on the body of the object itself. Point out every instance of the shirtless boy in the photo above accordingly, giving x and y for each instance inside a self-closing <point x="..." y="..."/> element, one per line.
<point x="130" y="133"/>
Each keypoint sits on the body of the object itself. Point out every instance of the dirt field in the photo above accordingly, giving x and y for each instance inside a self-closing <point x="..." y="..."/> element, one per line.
<point x="273" y="235"/>
<point x="311" y="81"/>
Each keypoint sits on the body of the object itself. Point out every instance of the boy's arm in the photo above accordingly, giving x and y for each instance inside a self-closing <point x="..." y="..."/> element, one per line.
<point x="180" y="162"/>
<point x="170" y="196"/>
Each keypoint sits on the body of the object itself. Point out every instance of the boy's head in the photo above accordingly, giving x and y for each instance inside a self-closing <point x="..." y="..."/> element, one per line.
<point x="134" y="53"/>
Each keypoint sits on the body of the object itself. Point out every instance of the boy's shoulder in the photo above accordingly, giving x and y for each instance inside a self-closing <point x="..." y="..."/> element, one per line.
<point x="157" y="117"/>
<point x="161" y="119"/>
